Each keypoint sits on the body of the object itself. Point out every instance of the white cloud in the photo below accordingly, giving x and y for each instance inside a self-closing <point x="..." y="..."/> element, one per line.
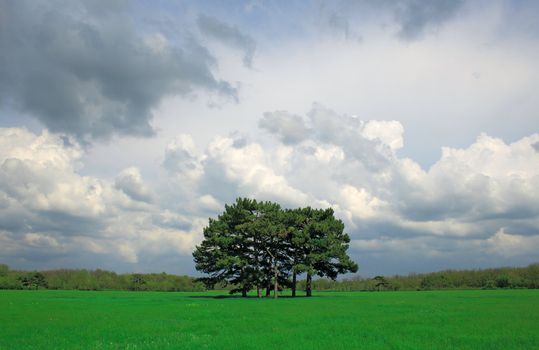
<point x="351" y="165"/>
<point x="509" y="245"/>
<point x="488" y="180"/>
<point x="38" y="172"/>
<point x="360" y="203"/>
<point x="40" y="240"/>
<point x="130" y="182"/>
<point x="388" y="203"/>
<point x="249" y="168"/>
<point x="47" y="205"/>
<point x="209" y="203"/>
<point x="388" y="132"/>
<point x="181" y="157"/>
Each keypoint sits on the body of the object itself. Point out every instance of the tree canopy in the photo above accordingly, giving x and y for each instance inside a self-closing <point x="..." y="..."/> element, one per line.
<point x="257" y="245"/>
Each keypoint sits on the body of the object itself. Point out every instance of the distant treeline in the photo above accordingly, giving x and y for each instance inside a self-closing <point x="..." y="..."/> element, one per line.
<point x="96" y="280"/>
<point x="505" y="277"/>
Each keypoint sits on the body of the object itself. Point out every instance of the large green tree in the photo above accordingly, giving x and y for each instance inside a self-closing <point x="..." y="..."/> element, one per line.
<point x="224" y="253"/>
<point x="263" y="232"/>
<point x="257" y="244"/>
<point x="297" y="240"/>
<point x="319" y="245"/>
<point x="242" y="247"/>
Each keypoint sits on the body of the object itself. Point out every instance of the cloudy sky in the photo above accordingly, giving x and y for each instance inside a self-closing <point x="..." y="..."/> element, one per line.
<point x="125" y="125"/>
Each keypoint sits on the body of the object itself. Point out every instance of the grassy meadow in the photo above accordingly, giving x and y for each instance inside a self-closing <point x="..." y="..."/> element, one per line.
<point x="472" y="319"/>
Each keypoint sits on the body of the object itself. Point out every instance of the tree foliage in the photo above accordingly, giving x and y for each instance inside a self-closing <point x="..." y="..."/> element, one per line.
<point x="253" y="245"/>
<point x="68" y="279"/>
<point x="516" y="277"/>
<point x="33" y="280"/>
<point x="503" y="277"/>
<point x="381" y="283"/>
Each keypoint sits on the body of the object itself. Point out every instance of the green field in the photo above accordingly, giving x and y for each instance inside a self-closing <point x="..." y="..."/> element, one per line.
<point x="490" y="319"/>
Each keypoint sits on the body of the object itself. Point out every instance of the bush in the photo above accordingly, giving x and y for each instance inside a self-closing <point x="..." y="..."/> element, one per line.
<point x="489" y="284"/>
<point x="503" y="281"/>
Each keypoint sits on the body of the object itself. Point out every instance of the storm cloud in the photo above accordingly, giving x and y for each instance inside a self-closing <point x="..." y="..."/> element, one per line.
<point x="84" y="68"/>
<point x="50" y="212"/>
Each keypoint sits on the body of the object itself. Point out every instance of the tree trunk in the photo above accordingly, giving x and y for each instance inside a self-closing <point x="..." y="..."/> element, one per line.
<point x="244" y="292"/>
<point x="294" y="284"/>
<point x="309" y="285"/>
<point x="268" y="288"/>
<point x="276" y="286"/>
<point x="258" y="292"/>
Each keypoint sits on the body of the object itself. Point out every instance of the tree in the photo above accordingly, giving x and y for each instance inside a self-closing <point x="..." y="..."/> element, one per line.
<point x="301" y="245"/>
<point x="380" y="282"/>
<point x="243" y="247"/>
<point x="226" y="251"/>
<point x="294" y="222"/>
<point x="4" y="269"/>
<point x="275" y="243"/>
<point x="38" y="280"/>
<point x="503" y="281"/>
<point x="257" y="244"/>
<point x="331" y="245"/>
<point x="33" y="280"/>
<point x="138" y="281"/>
<point x="319" y="244"/>
<point x="266" y="233"/>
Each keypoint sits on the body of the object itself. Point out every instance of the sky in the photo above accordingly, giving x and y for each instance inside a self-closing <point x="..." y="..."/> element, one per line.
<point x="125" y="125"/>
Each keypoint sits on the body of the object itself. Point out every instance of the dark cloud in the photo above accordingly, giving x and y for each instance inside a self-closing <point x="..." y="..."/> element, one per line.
<point x="19" y="220"/>
<point x="175" y="222"/>
<point x="84" y="69"/>
<point x="229" y="35"/>
<point x="290" y="128"/>
<point x="414" y="16"/>
<point x="65" y="224"/>
<point x="536" y="146"/>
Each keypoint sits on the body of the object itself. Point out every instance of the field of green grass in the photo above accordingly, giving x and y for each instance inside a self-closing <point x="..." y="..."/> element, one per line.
<point x="485" y="319"/>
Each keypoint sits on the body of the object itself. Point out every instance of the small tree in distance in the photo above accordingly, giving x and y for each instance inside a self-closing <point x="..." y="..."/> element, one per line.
<point x="137" y="281"/>
<point x="380" y="282"/>
<point x="33" y="280"/>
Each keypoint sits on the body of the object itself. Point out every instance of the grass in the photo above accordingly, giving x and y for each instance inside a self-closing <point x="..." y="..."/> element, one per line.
<point x="490" y="319"/>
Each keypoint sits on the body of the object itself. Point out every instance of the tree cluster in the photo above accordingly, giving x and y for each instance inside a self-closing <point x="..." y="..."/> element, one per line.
<point x="259" y="245"/>
<point x="33" y="280"/>
<point x="68" y="279"/>
<point x="503" y="277"/>
<point x="492" y="278"/>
